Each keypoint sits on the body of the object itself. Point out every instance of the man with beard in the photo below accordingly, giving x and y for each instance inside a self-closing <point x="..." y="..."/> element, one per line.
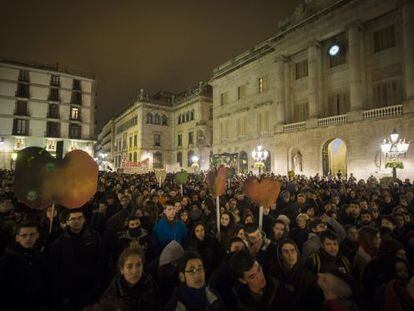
<point x="22" y="272"/>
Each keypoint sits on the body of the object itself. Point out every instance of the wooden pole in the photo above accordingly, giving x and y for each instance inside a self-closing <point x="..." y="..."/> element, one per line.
<point x="51" y="221"/>
<point x="218" y="216"/>
<point x="261" y="217"/>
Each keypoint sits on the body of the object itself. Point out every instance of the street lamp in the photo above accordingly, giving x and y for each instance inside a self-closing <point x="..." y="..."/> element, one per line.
<point x="194" y="160"/>
<point x="14" y="158"/>
<point x="259" y="155"/>
<point x="394" y="148"/>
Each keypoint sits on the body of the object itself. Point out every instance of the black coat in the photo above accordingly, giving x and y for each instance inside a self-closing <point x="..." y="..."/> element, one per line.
<point x="142" y="296"/>
<point x="77" y="268"/>
<point x="275" y="297"/>
<point x="222" y="281"/>
<point x="182" y="302"/>
<point x="22" y="279"/>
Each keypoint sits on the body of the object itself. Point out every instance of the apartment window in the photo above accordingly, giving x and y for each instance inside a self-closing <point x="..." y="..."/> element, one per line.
<point x="301" y="69"/>
<point x="224" y="130"/>
<point x="157" y="160"/>
<point x="74" y="113"/>
<point x="241" y="130"/>
<point x="149" y="118"/>
<point x="53" y="111"/>
<point x="384" y="38"/>
<point x="53" y="129"/>
<point x="190" y="154"/>
<point x="55" y="80"/>
<point x="262" y="84"/>
<point x="130" y="142"/>
<point x="190" y="138"/>
<point x="74" y="131"/>
<point x="130" y="157"/>
<point x="241" y="92"/>
<point x="24" y="76"/>
<point x="187" y="116"/>
<point x="76" y="98"/>
<point x="224" y="98"/>
<point x="338" y="103"/>
<point x="262" y="121"/>
<point x="76" y="85"/>
<point x="179" y="140"/>
<point x="179" y="119"/>
<point x="157" y="140"/>
<point x="180" y="158"/>
<point x="54" y="94"/>
<point x="135" y="140"/>
<point x="192" y="115"/>
<point x="339" y="58"/>
<point x="21" y="108"/>
<point x="164" y="120"/>
<point x="20" y="127"/>
<point x="157" y="119"/>
<point x="387" y="93"/>
<point x="301" y="111"/>
<point x="135" y="157"/>
<point x="22" y="90"/>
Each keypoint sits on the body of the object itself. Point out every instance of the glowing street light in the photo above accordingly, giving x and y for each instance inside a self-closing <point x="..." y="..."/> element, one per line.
<point x="395" y="148"/>
<point x="194" y="160"/>
<point x="259" y="155"/>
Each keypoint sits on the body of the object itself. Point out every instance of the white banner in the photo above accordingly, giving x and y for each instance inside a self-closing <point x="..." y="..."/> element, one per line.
<point x="136" y="167"/>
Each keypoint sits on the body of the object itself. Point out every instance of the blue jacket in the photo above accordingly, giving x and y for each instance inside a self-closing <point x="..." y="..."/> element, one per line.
<point x="165" y="232"/>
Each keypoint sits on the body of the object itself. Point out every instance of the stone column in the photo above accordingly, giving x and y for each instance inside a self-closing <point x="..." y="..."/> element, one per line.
<point x="408" y="37"/>
<point x="288" y="104"/>
<point x="313" y="80"/>
<point x="280" y="90"/>
<point x="355" y="67"/>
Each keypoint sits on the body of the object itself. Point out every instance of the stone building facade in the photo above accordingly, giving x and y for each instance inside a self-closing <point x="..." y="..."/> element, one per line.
<point x="42" y="104"/>
<point x="167" y="128"/>
<point x="336" y="78"/>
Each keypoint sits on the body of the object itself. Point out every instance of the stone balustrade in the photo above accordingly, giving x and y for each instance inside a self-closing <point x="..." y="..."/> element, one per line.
<point x="332" y="120"/>
<point x="383" y="112"/>
<point x="294" y="126"/>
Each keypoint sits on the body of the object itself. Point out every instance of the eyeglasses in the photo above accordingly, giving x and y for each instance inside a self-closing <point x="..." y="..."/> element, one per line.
<point x="195" y="270"/>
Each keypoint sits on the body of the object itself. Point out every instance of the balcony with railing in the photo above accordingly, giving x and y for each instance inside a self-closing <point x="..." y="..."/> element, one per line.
<point x="294" y="126"/>
<point x="20" y="132"/>
<point x="383" y="112"/>
<point x="334" y="120"/>
<point x="52" y="133"/>
<point x="21" y="112"/>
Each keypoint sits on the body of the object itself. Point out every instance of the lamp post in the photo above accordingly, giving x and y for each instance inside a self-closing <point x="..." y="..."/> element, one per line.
<point x="14" y="158"/>
<point x="394" y="148"/>
<point x="259" y="155"/>
<point x="194" y="164"/>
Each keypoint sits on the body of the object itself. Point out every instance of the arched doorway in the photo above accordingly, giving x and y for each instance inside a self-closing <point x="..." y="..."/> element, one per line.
<point x="334" y="157"/>
<point x="243" y="163"/>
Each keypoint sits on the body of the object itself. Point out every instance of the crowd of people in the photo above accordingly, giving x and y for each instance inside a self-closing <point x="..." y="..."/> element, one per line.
<point x="328" y="243"/>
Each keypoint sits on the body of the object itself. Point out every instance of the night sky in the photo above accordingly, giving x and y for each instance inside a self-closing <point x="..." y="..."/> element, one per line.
<point x="155" y="45"/>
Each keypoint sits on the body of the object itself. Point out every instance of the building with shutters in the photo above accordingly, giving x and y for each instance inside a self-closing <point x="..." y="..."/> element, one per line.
<point x="42" y="104"/>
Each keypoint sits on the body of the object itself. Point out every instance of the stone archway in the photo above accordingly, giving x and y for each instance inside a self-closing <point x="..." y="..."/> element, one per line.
<point x="334" y="157"/>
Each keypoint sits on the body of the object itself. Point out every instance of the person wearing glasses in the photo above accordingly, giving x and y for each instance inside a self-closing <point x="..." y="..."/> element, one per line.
<point x="193" y="293"/>
<point x="22" y="271"/>
<point x="76" y="263"/>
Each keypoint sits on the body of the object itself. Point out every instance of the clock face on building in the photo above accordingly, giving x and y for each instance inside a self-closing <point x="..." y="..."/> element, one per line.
<point x="334" y="50"/>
